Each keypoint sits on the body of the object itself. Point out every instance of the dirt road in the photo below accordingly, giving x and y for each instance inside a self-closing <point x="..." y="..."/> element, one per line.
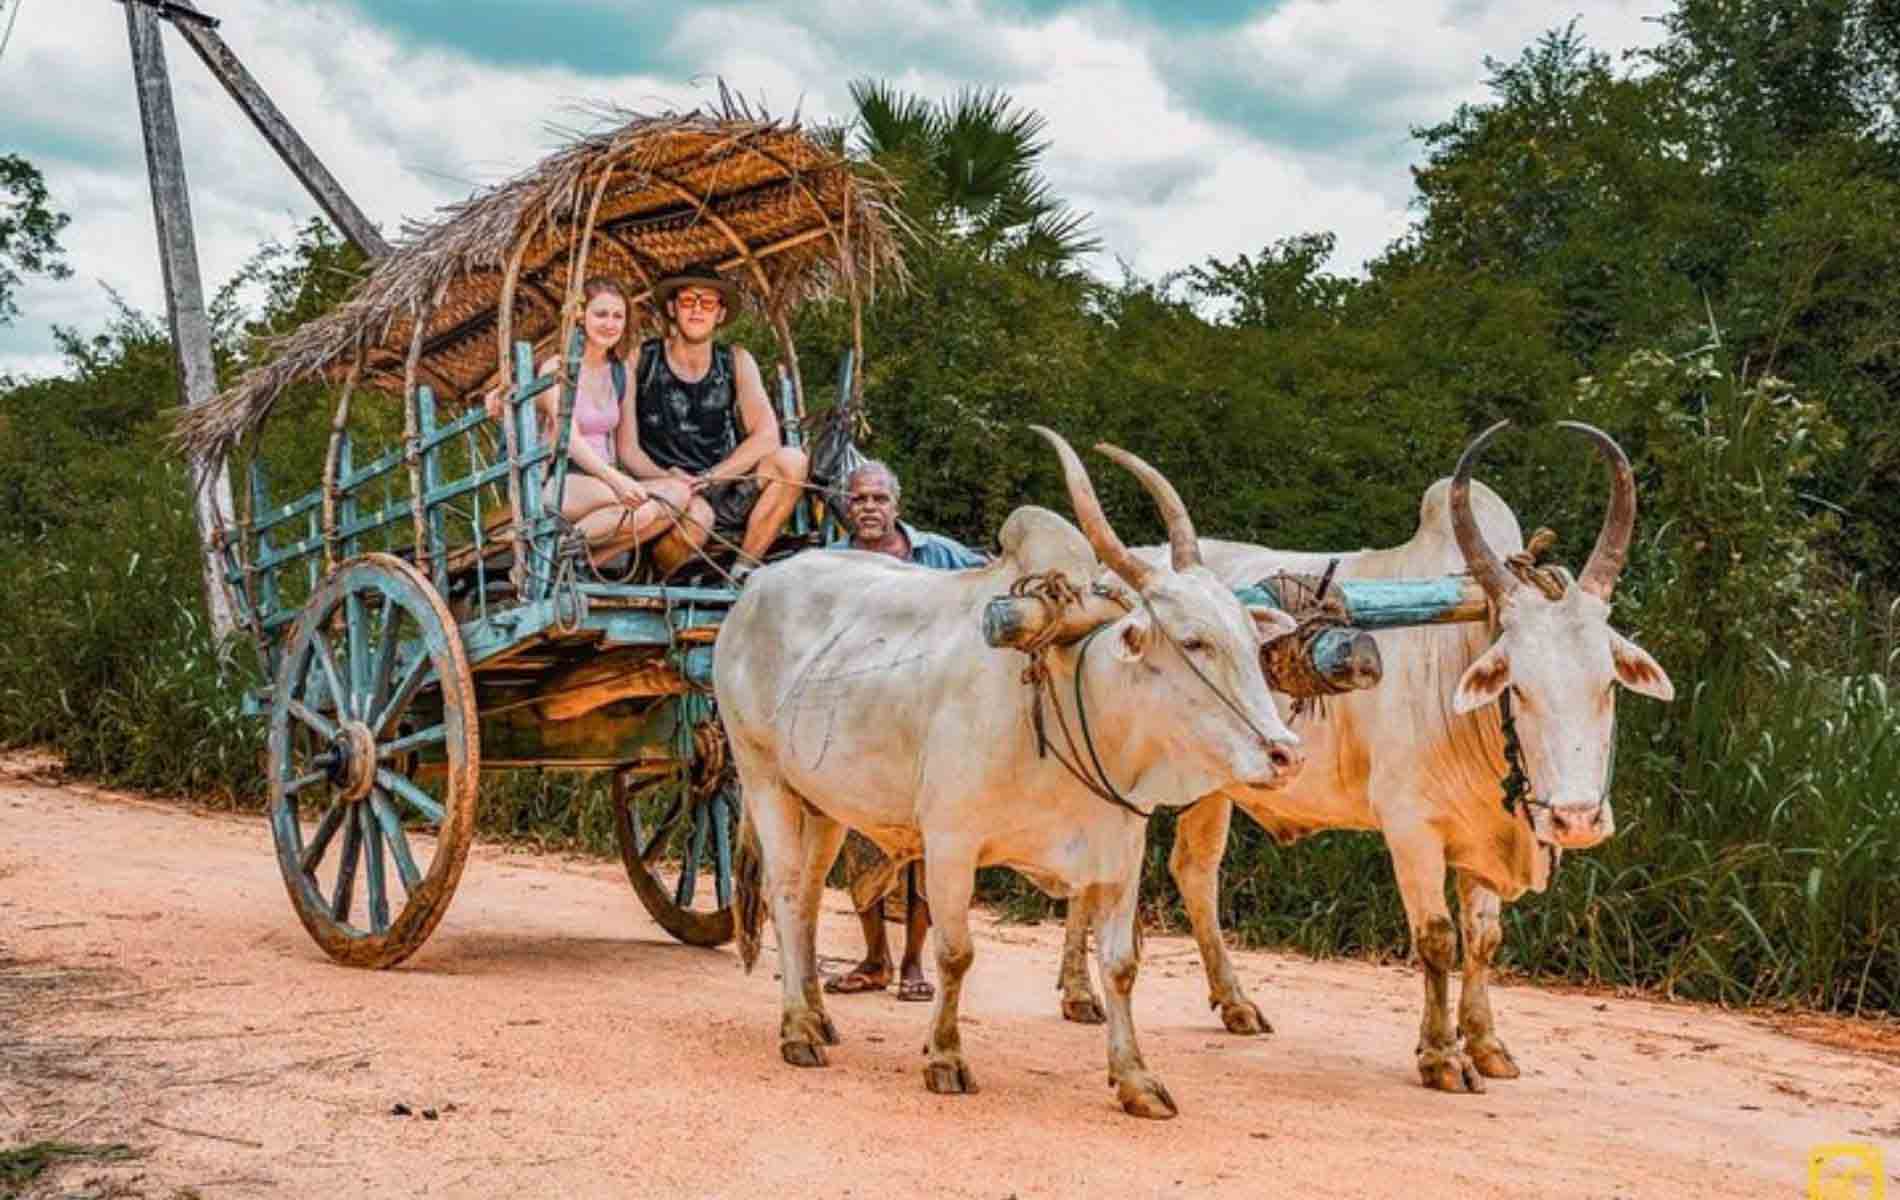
<point x="156" y="990"/>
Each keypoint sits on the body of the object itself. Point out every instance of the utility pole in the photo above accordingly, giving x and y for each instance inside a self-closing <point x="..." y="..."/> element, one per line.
<point x="184" y="290"/>
<point x="201" y="34"/>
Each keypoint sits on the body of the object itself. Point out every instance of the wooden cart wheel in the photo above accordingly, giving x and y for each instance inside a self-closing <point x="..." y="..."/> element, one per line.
<point x="373" y="674"/>
<point x="663" y="824"/>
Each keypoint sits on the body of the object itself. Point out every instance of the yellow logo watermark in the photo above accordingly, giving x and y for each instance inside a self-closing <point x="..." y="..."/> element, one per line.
<point x="1846" y="1171"/>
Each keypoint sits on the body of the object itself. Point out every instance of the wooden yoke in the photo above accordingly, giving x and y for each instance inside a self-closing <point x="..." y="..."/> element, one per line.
<point x="1332" y="652"/>
<point x="1318" y="659"/>
<point x="1047" y="610"/>
<point x="1387" y="603"/>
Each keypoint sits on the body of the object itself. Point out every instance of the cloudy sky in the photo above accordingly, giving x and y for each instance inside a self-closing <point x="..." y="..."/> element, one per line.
<point x="1189" y="128"/>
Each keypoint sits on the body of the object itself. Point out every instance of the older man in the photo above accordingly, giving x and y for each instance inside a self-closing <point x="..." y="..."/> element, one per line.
<point x="873" y="498"/>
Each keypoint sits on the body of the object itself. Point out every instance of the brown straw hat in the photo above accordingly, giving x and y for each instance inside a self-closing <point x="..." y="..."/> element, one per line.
<point x="697" y="275"/>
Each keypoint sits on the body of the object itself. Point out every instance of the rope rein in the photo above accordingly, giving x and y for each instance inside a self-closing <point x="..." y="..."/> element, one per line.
<point x="1516" y="782"/>
<point x="1038" y="677"/>
<point x="1288" y="659"/>
<point x="1517" y="793"/>
<point x="1055" y="591"/>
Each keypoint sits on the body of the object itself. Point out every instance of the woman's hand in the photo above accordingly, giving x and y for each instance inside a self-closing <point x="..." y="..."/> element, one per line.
<point x="627" y="490"/>
<point x="493" y="402"/>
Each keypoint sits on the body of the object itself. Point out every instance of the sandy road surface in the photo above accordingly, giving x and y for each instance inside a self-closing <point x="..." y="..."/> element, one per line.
<point x="155" y="989"/>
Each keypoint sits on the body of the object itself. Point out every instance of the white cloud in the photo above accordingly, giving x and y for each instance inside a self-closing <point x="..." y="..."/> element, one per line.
<point x="1170" y="177"/>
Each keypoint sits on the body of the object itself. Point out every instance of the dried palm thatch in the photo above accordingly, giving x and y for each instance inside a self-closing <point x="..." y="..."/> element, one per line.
<point x="777" y="206"/>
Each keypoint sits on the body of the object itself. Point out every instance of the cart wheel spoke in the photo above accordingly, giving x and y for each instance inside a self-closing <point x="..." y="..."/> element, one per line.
<point x="412" y="677"/>
<point x="410" y="794"/>
<point x="320" y="646"/>
<point x="292" y="787"/>
<point x="346" y="868"/>
<point x="657" y="841"/>
<point x="314" y="721"/>
<point x="388" y="640"/>
<point x="695" y="854"/>
<point x="356" y="627"/>
<point x="397" y="839"/>
<point x="425" y="737"/>
<point x="373" y="869"/>
<point x="320" y="840"/>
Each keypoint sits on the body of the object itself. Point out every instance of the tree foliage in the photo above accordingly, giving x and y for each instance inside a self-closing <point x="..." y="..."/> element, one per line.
<point x="29" y="231"/>
<point x="971" y="165"/>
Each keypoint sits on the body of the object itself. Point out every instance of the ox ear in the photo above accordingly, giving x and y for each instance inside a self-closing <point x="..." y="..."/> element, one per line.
<point x="1483" y="681"/>
<point x="1637" y="671"/>
<point x="1270" y="623"/>
<point x="1136" y="634"/>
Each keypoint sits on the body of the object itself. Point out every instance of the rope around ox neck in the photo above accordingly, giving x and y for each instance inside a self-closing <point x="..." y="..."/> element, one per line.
<point x="1037" y="676"/>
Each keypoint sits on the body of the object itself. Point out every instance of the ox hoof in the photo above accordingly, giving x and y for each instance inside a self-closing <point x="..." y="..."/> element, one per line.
<point x="1083" y="1010"/>
<point x="1448" y="1071"/>
<point x="1492" y="1059"/>
<point x="949" y="1077"/>
<point x="1145" y="1096"/>
<point x="802" y="1037"/>
<point x="802" y="1054"/>
<point x="1243" y="1017"/>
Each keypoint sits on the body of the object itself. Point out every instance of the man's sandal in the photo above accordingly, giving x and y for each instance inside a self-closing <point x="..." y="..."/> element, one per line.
<point x="915" y="989"/>
<point x="853" y="982"/>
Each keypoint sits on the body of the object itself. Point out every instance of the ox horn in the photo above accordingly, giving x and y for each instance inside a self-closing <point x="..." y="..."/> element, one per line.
<point x="1619" y="523"/>
<point x="1480" y="559"/>
<point x="1183" y="544"/>
<point x="1088" y="514"/>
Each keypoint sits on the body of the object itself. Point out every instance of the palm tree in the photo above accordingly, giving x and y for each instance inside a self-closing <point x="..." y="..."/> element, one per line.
<point x="972" y="164"/>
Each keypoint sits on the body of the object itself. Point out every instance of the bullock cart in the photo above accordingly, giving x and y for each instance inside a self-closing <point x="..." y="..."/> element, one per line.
<point x="424" y="613"/>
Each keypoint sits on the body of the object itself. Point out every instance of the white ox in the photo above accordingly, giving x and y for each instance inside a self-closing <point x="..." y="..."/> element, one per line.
<point x="1420" y="757"/>
<point x="858" y="691"/>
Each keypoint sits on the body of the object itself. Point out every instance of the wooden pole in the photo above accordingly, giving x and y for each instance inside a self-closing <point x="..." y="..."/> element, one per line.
<point x="184" y="292"/>
<point x="336" y="204"/>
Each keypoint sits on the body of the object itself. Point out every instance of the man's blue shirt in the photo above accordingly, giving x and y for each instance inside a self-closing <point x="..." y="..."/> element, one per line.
<point x="929" y="549"/>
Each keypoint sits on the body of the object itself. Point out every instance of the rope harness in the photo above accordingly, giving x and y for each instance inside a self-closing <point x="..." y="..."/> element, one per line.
<point x="1553" y="582"/>
<point x="1518" y="795"/>
<point x="1038" y="677"/>
<point x="1055" y="591"/>
<point x="1288" y="660"/>
<point x="1054" y="588"/>
<point x="1516" y="783"/>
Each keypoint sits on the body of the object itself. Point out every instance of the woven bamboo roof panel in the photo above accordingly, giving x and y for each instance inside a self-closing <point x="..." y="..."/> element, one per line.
<point x="778" y="207"/>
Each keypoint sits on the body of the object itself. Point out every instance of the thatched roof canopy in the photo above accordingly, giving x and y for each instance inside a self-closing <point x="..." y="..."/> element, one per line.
<point x="778" y="207"/>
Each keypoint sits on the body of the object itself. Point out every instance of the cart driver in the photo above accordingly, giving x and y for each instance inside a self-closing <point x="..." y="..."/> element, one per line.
<point x="872" y="499"/>
<point x="704" y="420"/>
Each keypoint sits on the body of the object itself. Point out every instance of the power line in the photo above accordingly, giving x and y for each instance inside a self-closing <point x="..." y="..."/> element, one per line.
<point x="7" y="37"/>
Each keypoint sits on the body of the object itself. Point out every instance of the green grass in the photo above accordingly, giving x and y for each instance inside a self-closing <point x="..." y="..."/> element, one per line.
<point x="20" y="1166"/>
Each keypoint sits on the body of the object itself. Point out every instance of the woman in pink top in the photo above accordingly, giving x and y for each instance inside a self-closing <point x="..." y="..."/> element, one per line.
<point x="615" y="510"/>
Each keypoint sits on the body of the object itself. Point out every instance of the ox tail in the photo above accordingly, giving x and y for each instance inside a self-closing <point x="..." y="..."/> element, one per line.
<point x="748" y="892"/>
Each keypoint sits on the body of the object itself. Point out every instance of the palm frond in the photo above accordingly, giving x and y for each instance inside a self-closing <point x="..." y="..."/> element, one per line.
<point x="894" y="122"/>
